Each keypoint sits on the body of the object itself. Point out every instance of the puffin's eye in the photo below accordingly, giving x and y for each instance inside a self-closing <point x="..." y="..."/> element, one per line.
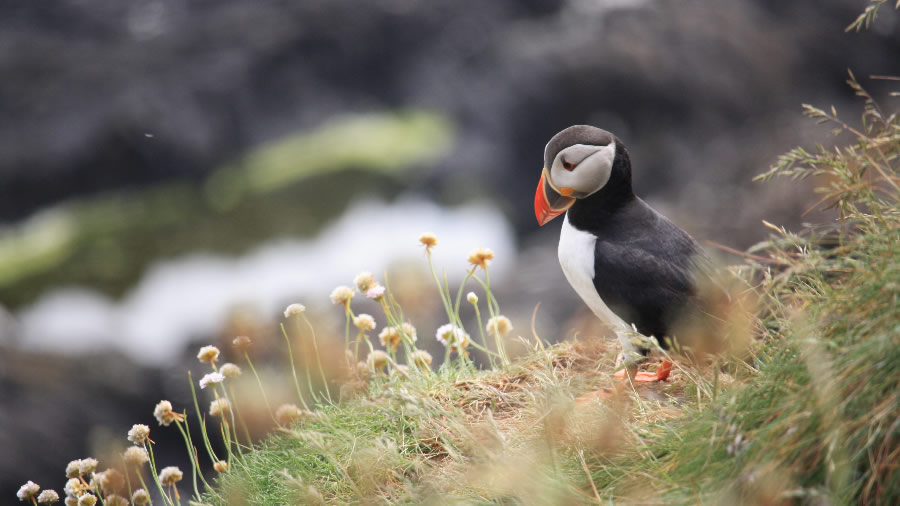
<point x="567" y="164"/>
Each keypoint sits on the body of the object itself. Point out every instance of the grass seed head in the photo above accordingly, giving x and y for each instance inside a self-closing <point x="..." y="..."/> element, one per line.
<point x="48" y="496"/>
<point x="139" y="434"/>
<point x="170" y="475"/>
<point x="294" y="310"/>
<point x="208" y="354"/>
<point x="28" y="491"/>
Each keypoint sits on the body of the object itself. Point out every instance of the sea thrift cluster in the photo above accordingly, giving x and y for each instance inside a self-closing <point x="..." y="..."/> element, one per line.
<point x="86" y="486"/>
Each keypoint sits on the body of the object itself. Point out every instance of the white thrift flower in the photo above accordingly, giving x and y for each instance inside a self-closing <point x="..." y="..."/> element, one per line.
<point x="109" y="481"/>
<point x="136" y="456"/>
<point x="341" y="295"/>
<point x="219" y="407"/>
<point x="472" y="298"/>
<point x="230" y="370"/>
<point x="28" y="491"/>
<point x="115" y="500"/>
<point x="420" y="359"/>
<point x="376" y="292"/>
<point x="87" y="500"/>
<point x="364" y="322"/>
<point x="294" y="310"/>
<point x="242" y="343"/>
<point x="74" y="487"/>
<point x="88" y="465"/>
<point x="170" y="475"/>
<point x="139" y="434"/>
<point x="73" y="469"/>
<point x="164" y="413"/>
<point x="213" y="378"/>
<point x="220" y="466"/>
<point x="208" y="354"/>
<point x="410" y="331"/>
<point x="453" y="337"/>
<point x="48" y="497"/>
<point x="499" y="326"/>
<point x="140" y="497"/>
<point x="390" y="337"/>
<point x="364" y="281"/>
<point x="378" y="360"/>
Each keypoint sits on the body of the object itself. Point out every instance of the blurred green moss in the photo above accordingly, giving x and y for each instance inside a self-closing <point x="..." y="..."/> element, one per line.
<point x="287" y="187"/>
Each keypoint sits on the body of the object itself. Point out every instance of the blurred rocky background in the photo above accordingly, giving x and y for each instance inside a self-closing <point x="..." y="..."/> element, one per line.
<point x="173" y="173"/>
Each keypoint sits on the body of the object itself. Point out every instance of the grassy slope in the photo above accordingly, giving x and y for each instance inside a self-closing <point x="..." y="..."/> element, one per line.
<point x="811" y="414"/>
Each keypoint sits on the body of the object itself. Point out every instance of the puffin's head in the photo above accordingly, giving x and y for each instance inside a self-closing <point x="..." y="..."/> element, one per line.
<point x="578" y="162"/>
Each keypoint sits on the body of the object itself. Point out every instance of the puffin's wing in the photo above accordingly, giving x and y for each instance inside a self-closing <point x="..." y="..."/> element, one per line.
<point x="647" y="283"/>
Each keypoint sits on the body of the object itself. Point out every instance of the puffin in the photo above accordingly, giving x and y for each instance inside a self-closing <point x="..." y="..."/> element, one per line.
<point x="633" y="268"/>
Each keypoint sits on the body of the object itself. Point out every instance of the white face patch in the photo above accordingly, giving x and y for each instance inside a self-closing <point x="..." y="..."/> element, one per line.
<point x="592" y="167"/>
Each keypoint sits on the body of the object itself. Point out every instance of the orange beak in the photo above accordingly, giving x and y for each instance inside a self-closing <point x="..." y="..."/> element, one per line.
<point x="548" y="202"/>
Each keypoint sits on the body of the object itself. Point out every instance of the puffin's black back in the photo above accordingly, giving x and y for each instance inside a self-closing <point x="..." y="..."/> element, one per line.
<point x="645" y="267"/>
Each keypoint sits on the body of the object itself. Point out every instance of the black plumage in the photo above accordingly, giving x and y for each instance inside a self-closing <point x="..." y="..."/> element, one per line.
<point x="646" y="268"/>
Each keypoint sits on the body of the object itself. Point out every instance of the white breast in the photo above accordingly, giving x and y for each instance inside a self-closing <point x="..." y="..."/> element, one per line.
<point x="576" y="256"/>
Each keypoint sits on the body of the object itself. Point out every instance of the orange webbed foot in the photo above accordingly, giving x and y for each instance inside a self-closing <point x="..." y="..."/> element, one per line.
<point x="661" y="374"/>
